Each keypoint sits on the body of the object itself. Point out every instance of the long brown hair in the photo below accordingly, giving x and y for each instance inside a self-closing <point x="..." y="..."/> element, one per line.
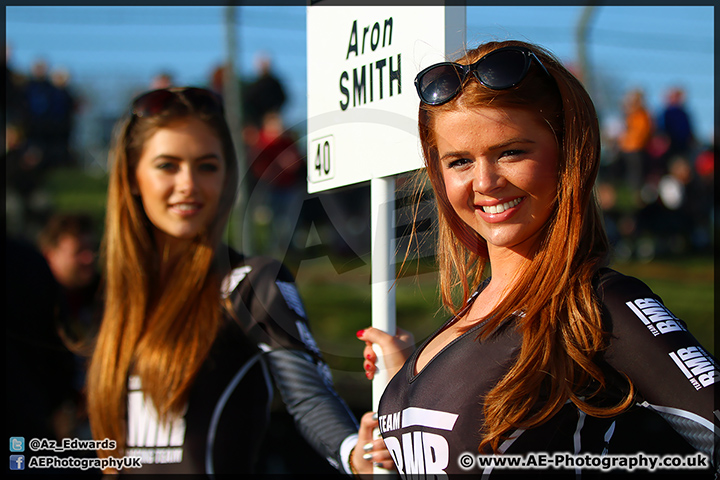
<point x="160" y="330"/>
<point x="561" y="323"/>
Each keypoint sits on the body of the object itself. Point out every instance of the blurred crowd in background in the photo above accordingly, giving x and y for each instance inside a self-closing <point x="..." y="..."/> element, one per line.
<point x="40" y="109"/>
<point x="666" y="173"/>
<point x="656" y="184"/>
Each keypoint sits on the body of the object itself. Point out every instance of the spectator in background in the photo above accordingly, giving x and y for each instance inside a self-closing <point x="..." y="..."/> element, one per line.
<point x="689" y="196"/>
<point x="14" y="108"/>
<point x="705" y="170"/>
<point x="634" y="139"/>
<point x="23" y="180"/>
<point x="676" y="221"/>
<point x="69" y="244"/>
<point x="676" y="194"/>
<point x="39" y="369"/>
<point x="62" y="115"/>
<point x="607" y="200"/>
<point x="265" y="94"/>
<point x="162" y="80"/>
<point x="39" y="93"/>
<point x="675" y="124"/>
<point x="277" y="170"/>
<point x="276" y="165"/>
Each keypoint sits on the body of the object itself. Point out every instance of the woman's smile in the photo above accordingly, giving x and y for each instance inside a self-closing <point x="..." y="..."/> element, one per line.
<point x="186" y="209"/>
<point x="491" y="210"/>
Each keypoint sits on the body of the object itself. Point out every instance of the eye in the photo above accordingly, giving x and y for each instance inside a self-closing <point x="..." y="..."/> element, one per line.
<point x="510" y="154"/>
<point x="458" y="162"/>
<point x="209" y="167"/>
<point x="167" y="166"/>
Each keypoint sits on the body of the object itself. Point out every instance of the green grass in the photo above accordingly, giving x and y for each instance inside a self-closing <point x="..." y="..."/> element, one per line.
<point x="76" y="191"/>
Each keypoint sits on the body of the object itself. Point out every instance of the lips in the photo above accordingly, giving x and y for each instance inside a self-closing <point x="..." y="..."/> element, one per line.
<point x="186" y="208"/>
<point x="501" y="207"/>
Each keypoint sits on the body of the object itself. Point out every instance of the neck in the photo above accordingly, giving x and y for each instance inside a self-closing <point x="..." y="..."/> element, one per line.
<point x="505" y="264"/>
<point x="504" y="267"/>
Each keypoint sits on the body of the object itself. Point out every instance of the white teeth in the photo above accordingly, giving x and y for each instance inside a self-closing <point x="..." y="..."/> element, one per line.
<point x="502" y="207"/>
<point x="185" y="206"/>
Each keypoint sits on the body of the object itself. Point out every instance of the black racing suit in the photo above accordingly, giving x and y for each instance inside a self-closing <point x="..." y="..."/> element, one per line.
<point x="432" y="421"/>
<point x="228" y="407"/>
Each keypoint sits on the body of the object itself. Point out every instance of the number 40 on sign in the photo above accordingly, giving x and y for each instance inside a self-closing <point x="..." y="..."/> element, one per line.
<point x="322" y="152"/>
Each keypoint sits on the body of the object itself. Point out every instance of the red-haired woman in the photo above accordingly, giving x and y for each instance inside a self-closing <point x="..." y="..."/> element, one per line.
<point x="547" y="349"/>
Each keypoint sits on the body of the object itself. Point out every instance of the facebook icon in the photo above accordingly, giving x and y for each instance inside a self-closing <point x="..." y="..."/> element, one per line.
<point x="17" y="462"/>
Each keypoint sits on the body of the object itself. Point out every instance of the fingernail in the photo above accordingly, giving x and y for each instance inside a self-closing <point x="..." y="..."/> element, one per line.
<point x="367" y="374"/>
<point x="367" y="456"/>
<point x="360" y="333"/>
<point x="375" y="416"/>
<point x="368" y="447"/>
<point x="368" y="356"/>
<point x="377" y="465"/>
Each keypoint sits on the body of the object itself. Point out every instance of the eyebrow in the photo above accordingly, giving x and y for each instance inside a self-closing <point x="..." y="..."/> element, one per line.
<point x="208" y="156"/>
<point x="462" y="153"/>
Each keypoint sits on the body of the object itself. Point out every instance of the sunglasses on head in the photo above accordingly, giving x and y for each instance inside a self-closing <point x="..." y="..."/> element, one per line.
<point x="158" y="101"/>
<point x="498" y="70"/>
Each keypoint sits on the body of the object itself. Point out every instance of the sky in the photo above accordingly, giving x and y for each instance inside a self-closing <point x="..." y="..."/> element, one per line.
<point x="113" y="52"/>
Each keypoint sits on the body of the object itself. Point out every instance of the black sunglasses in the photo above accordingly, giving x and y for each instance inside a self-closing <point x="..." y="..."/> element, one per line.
<point x="158" y="101"/>
<point x="498" y="70"/>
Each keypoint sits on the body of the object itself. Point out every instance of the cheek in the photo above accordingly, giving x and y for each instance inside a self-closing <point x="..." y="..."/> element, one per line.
<point x="545" y="182"/>
<point x="213" y="187"/>
<point x="150" y="185"/>
<point x="456" y="189"/>
<point x="539" y="177"/>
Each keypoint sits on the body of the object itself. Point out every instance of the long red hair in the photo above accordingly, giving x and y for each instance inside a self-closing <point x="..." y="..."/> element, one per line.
<point x="561" y="327"/>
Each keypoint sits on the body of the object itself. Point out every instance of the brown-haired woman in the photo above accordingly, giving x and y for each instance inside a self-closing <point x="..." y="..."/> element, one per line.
<point x="192" y="331"/>
<point x="547" y="349"/>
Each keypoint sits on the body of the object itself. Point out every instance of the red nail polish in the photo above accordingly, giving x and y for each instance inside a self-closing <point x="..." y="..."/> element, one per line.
<point x="360" y="333"/>
<point x="367" y="374"/>
<point x="367" y="356"/>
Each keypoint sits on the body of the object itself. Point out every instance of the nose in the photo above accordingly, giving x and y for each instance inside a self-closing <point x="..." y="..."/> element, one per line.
<point x="186" y="180"/>
<point x="86" y="256"/>
<point x="487" y="177"/>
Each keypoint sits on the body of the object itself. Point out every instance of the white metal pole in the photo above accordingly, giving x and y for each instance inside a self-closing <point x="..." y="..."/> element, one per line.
<point x="382" y="200"/>
<point x="382" y="207"/>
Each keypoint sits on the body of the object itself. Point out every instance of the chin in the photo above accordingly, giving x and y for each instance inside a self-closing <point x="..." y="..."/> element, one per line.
<point x="187" y="236"/>
<point x="187" y="232"/>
